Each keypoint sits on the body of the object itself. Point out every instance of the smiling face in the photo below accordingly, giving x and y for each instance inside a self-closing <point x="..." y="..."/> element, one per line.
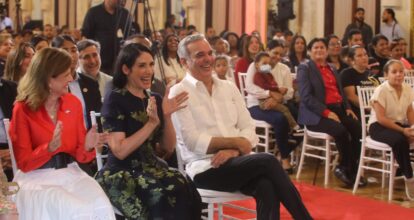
<point x="395" y="73"/>
<point x="58" y="85"/>
<point x="72" y="49"/>
<point x="90" y="60"/>
<point x="334" y="46"/>
<point x="139" y="76"/>
<point x="318" y="52"/>
<point x="5" y="48"/>
<point x="382" y="48"/>
<point x="172" y="44"/>
<point x="201" y="60"/>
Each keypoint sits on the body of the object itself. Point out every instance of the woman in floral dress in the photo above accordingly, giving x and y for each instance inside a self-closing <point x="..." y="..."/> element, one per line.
<point x="136" y="181"/>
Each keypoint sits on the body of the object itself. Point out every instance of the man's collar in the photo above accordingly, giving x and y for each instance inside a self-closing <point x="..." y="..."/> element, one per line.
<point x="193" y="81"/>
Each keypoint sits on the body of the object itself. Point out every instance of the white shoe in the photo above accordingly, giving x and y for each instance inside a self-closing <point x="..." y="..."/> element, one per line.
<point x="409" y="188"/>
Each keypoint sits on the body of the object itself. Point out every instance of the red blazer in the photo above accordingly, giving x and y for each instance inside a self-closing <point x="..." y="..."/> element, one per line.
<point x="31" y="132"/>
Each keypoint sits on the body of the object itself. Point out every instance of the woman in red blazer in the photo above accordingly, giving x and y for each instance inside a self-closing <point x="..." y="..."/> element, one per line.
<point x="48" y="137"/>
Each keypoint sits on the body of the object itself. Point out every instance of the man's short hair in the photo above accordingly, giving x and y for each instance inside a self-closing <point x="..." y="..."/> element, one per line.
<point x="359" y="9"/>
<point x="60" y="39"/>
<point x="273" y="44"/>
<point x="182" y="46"/>
<point x="353" y="32"/>
<point x="83" y="44"/>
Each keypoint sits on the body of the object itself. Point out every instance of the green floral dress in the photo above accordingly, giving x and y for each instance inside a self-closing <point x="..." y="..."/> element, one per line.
<point x="142" y="186"/>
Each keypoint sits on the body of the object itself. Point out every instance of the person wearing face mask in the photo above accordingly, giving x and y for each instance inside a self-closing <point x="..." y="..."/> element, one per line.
<point x="264" y="79"/>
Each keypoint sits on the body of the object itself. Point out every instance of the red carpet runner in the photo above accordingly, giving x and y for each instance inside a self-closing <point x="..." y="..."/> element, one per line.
<point x="327" y="204"/>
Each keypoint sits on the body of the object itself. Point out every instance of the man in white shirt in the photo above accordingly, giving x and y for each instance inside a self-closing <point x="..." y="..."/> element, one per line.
<point x="90" y="63"/>
<point x="391" y="28"/>
<point x="216" y="134"/>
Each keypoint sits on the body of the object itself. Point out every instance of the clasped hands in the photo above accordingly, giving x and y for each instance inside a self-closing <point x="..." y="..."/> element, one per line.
<point x="93" y="139"/>
<point x="222" y="156"/>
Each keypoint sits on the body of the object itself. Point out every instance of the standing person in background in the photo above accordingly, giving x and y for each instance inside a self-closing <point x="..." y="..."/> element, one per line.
<point x="48" y="32"/>
<point x="391" y="28"/>
<point x="106" y="23"/>
<point x="359" y="24"/>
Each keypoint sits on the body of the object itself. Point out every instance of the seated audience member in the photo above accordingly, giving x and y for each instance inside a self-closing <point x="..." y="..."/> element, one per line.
<point x="48" y="135"/>
<point x="250" y="48"/>
<point x="280" y="125"/>
<point x="222" y="68"/>
<point x="264" y="79"/>
<point x="137" y="182"/>
<point x="392" y="117"/>
<point x="6" y="46"/>
<point x="219" y="45"/>
<point x="216" y="147"/>
<point x="8" y="92"/>
<point x="83" y="87"/>
<point x="380" y="52"/>
<point x="138" y="39"/>
<point x="297" y="52"/>
<point x="357" y="74"/>
<point x="233" y="40"/>
<point x="90" y="63"/>
<point x="406" y="56"/>
<point x="325" y="108"/>
<point x="397" y="53"/>
<point x="18" y="61"/>
<point x="39" y="42"/>
<point x="173" y="70"/>
<point x="334" y="53"/>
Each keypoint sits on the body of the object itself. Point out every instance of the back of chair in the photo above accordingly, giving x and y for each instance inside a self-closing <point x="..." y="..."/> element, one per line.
<point x="364" y="97"/>
<point x="409" y="73"/>
<point x="6" y="122"/>
<point x="242" y="82"/>
<point x="409" y="80"/>
<point x="99" y="156"/>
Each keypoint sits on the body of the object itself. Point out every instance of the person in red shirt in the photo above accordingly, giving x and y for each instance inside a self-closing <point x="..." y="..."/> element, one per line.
<point x="325" y="108"/>
<point x="48" y="135"/>
<point x="264" y="79"/>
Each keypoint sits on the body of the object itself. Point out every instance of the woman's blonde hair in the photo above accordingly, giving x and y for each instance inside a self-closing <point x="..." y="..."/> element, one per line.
<point x="47" y="63"/>
<point x="12" y="70"/>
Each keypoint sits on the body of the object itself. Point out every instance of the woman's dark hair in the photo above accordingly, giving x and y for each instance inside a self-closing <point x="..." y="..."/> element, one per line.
<point x="228" y="34"/>
<point x="292" y="54"/>
<point x="164" y="49"/>
<point x="315" y="40"/>
<point x="37" y="39"/>
<point x="59" y="40"/>
<point x="352" y="51"/>
<point x="127" y="56"/>
<point x="377" y="38"/>
<point x="330" y="37"/>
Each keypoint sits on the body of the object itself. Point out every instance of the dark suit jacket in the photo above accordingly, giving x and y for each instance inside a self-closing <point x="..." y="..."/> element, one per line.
<point x="312" y="93"/>
<point x="91" y="95"/>
<point x="8" y="93"/>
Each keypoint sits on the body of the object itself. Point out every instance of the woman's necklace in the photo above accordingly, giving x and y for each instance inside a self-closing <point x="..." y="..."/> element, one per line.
<point x="52" y="112"/>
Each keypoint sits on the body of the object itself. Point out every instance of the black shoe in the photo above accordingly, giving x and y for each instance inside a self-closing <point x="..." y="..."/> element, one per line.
<point x="289" y="171"/>
<point x="341" y="174"/>
<point x="362" y="182"/>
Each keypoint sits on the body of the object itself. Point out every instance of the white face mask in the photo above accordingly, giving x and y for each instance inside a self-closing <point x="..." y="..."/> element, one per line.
<point x="266" y="68"/>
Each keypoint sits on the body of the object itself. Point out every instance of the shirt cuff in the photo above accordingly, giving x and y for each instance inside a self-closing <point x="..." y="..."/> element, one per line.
<point x="325" y="113"/>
